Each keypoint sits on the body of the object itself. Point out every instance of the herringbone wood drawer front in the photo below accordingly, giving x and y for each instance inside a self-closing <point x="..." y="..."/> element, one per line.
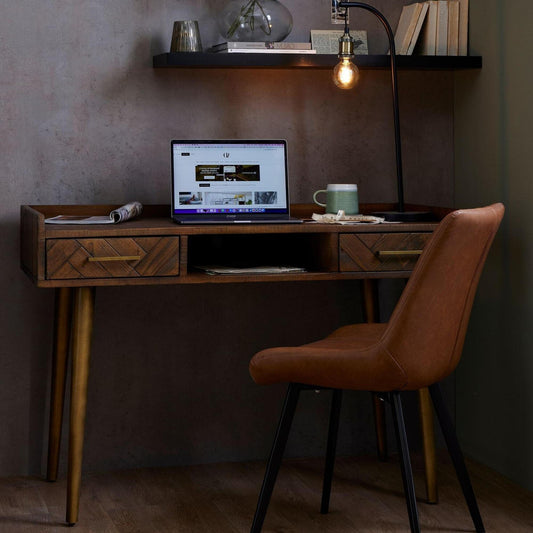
<point x="112" y="257"/>
<point x="378" y="252"/>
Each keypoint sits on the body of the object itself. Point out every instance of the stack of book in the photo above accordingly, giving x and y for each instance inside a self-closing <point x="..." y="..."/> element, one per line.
<point x="436" y="27"/>
<point x="263" y="48"/>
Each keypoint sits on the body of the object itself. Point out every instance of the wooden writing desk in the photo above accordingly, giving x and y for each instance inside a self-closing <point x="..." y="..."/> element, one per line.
<point x="152" y="250"/>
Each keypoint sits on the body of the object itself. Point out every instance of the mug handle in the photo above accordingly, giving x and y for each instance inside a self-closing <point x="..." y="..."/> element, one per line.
<point x="315" y="195"/>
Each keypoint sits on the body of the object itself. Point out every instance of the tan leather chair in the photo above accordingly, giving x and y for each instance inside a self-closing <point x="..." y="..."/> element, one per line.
<point x="417" y="348"/>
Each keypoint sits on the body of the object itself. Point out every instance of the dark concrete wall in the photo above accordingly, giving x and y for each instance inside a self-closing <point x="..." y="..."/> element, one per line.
<point x="494" y="163"/>
<point x="86" y="119"/>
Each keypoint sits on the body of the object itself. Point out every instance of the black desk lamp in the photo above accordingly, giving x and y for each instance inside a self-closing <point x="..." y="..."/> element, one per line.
<point x="346" y="75"/>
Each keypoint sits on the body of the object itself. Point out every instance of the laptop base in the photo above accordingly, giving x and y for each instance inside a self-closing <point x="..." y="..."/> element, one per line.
<point x="291" y="220"/>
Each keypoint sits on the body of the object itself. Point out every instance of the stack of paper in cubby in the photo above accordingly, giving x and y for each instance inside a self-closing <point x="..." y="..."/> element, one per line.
<point x="435" y="27"/>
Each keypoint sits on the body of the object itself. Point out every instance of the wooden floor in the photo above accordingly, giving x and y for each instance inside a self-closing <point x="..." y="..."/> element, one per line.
<point x="366" y="497"/>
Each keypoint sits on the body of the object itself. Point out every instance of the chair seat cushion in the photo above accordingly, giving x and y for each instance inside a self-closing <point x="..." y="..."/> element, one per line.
<point x="350" y="358"/>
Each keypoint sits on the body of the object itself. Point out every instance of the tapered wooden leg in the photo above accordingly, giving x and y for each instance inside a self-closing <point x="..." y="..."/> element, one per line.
<point x="428" y="441"/>
<point x="371" y="311"/>
<point x="81" y="349"/>
<point x="62" y="325"/>
<point x="370" y="301"/>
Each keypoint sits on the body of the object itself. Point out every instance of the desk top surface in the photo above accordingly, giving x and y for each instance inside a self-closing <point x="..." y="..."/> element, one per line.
<point x="156" y="220"/>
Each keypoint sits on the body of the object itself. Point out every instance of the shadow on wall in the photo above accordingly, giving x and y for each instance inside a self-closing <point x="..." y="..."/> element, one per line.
<point x="26" y="317"/>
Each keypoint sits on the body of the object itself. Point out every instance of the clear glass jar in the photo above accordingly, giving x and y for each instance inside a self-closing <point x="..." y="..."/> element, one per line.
<point x="255" y="20"/>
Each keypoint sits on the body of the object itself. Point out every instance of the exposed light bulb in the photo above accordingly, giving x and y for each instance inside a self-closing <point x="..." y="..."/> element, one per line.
<point x="345" y="74"/>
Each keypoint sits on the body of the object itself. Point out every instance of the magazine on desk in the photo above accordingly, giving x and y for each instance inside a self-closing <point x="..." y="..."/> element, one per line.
<point x="121" y="214"/>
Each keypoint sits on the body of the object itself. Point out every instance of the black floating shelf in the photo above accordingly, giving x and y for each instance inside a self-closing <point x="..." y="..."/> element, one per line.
<point x="318" y="61"/>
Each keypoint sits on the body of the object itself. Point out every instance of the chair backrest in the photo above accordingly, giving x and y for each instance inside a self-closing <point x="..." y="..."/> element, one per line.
<point x="427" y="328"/>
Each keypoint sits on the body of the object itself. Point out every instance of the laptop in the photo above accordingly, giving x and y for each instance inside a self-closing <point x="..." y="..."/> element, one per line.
<point x="230" y="182"/>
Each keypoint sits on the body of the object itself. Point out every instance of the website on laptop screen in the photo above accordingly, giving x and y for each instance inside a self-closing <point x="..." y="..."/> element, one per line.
<point x="226" y="178"/>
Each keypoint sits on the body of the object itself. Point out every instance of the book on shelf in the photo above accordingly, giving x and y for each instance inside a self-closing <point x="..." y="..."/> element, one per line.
<point x="265" y="51"/>
<point x="463" y="27"/>
<point x="441" y="45"/>
<point x="406" y="27"/>
<point x="427" y="42"/>
<point x="434" y="27"/>
<point x="418" y="27"/>
<point x="327" y="41"/>
<point x="453" y="28"/>
<point x="263" y="47"/>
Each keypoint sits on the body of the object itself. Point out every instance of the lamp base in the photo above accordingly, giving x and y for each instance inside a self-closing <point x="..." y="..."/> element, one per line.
<point x="406" y="216"/>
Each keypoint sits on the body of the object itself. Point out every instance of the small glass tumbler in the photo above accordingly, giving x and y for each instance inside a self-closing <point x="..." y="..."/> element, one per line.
<point x="186" y="37"/>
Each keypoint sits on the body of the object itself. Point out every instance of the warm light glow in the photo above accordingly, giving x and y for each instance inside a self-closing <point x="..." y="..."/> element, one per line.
<point x="345" y="74"/>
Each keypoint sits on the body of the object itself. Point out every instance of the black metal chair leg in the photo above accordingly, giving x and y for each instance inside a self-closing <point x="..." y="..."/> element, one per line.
<point x="380" y="424"/>
<point x="276" y="455"/>
<point x="405" y="462"/>
<point x="333" y="431"/>
<point x="456" y="454"/>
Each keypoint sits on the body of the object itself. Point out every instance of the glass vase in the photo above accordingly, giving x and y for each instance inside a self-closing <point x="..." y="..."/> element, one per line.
<point x="255" y="20"/>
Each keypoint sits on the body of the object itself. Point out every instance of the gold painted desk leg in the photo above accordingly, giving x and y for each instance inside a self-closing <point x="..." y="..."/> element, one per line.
<point x="428" y="438"/>
<point x="62" y="324"/>
<point x="81" y="350"/>
<point x="370" y="303"/>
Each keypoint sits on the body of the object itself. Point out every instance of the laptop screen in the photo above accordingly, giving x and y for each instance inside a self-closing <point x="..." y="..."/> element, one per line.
<point x="229" y="177"/>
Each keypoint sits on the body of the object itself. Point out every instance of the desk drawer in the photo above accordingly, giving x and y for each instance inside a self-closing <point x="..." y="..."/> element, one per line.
<point x="380" y="252"/>
<point x="128" y="257"/>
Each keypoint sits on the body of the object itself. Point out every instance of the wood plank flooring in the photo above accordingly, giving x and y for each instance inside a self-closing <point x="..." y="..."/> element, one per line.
<point x="367" y="497"/>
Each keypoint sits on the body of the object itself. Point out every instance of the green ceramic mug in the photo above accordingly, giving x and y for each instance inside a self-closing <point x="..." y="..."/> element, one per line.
<point x="340" y="196"/>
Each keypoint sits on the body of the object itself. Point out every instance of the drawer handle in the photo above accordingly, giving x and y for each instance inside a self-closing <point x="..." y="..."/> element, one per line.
<point x="396" y="253"/>
<point x="115" y="258"/>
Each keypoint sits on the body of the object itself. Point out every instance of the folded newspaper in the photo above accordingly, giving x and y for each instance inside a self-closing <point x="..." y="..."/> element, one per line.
<point x="126" y="212"/>
<point x="214" y="270"/>
<point x="341" y="218"/>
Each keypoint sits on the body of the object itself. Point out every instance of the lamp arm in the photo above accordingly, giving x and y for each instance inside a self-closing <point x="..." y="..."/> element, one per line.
<point x="395" y="104"/>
